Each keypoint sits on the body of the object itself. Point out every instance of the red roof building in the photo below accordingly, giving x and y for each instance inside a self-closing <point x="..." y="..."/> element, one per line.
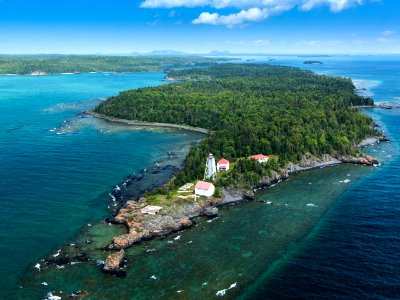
<point x="223" y="165"/>
<point x="203" y="185"/>
<point x="261" y="158"/>
<point x="203" y="188"/>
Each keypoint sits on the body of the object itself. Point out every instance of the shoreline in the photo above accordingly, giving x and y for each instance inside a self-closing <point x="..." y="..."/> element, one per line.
<point x="148" y="227"/>
<point x="148" y="124"/>
<point x="79" y="73"/>
<point x="143" y="227"/>
<point x="140" y="227"/>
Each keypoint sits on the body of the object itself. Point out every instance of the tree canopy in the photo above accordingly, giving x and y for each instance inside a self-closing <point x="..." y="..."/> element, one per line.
<point x="250" y="109"/>
<point x="12" y="64"/>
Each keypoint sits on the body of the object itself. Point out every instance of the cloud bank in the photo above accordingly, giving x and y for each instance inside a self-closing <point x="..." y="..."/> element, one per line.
<point x="250" y="10"/>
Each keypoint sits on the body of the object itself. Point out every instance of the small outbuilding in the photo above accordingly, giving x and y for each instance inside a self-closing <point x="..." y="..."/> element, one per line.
<point x="204" y="188"/>
<point x="150" y="209"/>
<point x="223" y="165"/>
<point x="261" y="158"/>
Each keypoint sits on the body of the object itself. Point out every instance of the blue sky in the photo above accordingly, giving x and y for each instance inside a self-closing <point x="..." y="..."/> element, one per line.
<point x="200" y="26"/>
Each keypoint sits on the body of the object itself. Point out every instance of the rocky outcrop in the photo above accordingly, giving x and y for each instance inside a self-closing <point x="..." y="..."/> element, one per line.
<point x="383" y="138"/>
<point x="362" y="160"/>
<point x="113" y="264"/>
<point x="63" y="257"/>
<point x="171" y="219"/>
<point x="373" y="140"/>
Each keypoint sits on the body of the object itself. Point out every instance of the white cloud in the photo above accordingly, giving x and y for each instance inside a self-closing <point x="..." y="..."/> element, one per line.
<point x="250" y="10"/>
<point x="207" y="18"/>
<point x="334" y="5"/>
<point x="244" y="16"/>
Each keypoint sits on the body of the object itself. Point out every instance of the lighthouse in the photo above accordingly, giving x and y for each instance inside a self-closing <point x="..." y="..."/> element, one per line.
<point x="211" y="169"/>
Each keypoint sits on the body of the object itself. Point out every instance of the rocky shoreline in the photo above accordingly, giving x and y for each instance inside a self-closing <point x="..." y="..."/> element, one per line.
<point x="128" y="201"/>
<point x="142" y="227"/>
<point x="148" y="124"/>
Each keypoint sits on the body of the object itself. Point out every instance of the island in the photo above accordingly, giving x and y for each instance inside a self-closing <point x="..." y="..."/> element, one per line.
<point x="263" y="123"/>
<point x="313" y="62"/>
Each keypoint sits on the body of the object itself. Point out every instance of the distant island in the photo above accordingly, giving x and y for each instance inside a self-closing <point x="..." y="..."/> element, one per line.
<point x="313" y="62"/>
<point x="75" y="64"/>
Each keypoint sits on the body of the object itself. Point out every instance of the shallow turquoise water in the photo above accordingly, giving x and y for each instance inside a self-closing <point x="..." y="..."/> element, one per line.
<point x="56" y="168"/>
<point x="237" y="247"/>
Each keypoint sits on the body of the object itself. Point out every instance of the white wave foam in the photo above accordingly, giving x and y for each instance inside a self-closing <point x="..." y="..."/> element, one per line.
<point x="37" y="266"/>
<point x="221" y="293"/>
<point x="366" y="84"/>
<point x="51" y="297"/>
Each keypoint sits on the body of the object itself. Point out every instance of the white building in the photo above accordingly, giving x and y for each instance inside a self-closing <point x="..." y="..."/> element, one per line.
<point x="223" y="165"/>
<point x="261" y="158"/>
<point x="203" y="188"/>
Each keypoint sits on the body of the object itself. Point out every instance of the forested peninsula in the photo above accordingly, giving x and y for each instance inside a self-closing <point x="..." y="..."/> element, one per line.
<point x="55" y="64"/>
<point x="284" y="112"/>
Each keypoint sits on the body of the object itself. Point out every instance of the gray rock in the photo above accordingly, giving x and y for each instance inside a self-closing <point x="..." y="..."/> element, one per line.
<point x="211" y="211"/>
<point x="249" y="195"/>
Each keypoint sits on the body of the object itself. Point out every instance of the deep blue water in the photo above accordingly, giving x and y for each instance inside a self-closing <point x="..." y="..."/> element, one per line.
<point x="56" y="169"/>
<point x="354" y="251"/>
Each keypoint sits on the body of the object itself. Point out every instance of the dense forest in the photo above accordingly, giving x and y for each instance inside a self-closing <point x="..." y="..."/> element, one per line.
<point x="86" y="63"/>
<point x="250" y="109"/>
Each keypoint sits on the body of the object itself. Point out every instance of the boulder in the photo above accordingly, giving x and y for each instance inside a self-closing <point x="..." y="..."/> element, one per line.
<point x="249" y="195"/>
<point x="211" y="212"/>
<point x="383" y="138"/>
<point x="186" y="223"/>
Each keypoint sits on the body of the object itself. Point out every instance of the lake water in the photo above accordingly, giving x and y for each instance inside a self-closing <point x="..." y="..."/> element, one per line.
<point x="320" y="237"/>
<point x="56" y="168"/>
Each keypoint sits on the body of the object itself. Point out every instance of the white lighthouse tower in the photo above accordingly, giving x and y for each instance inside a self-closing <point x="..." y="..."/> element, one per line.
<point x="211" y="168"/>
